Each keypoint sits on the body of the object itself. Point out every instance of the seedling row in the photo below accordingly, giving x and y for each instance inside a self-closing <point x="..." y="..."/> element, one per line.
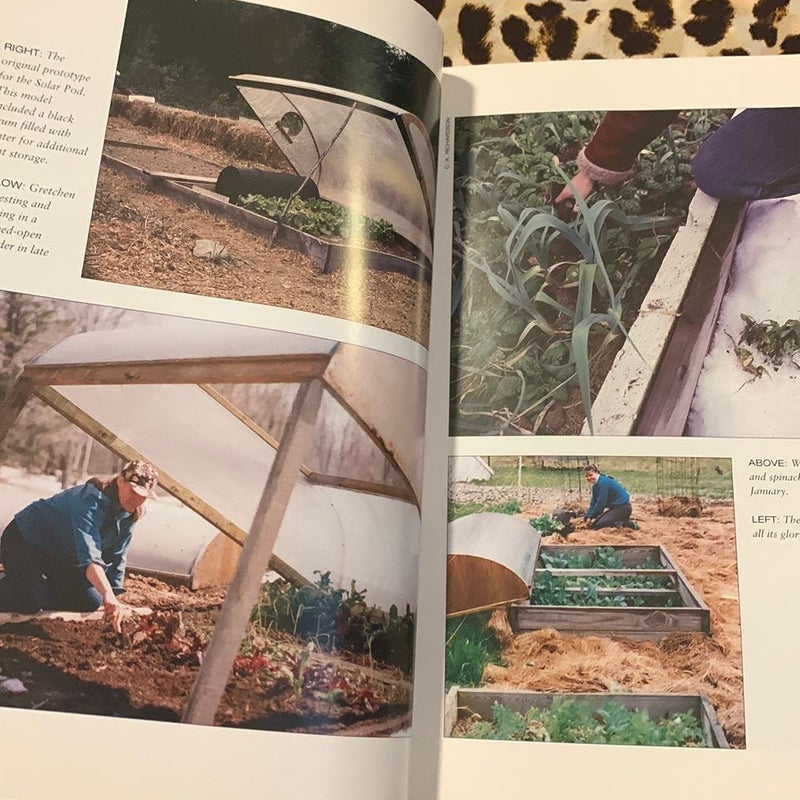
<point x="593" y="718"/>
<point x="635" y="591"/>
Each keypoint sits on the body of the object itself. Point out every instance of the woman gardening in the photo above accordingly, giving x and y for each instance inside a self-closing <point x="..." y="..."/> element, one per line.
<point x="610" y="506"/>
<point x="68" y="551"/>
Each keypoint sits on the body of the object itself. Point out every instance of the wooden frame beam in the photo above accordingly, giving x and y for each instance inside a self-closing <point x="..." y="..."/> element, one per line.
<point x="243" y="591"/>
<point x="461" y="702"/>
<point x="669" y="396"/>
<point x="294" y="368"/>
<point x="650" y="386"/>
<point x="366" y="487"/>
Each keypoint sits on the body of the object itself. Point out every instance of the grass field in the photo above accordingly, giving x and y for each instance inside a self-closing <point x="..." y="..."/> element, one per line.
<point x="707" y="477"/>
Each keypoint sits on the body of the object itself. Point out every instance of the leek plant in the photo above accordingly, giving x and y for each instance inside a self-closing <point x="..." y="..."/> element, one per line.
<point x="528" y="289"/>
<point x="538" y="300"/>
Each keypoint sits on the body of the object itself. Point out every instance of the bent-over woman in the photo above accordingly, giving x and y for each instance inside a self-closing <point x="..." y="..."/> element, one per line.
<point x="68" y="551"/>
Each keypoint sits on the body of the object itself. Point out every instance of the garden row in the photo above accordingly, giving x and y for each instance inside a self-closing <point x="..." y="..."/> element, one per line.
<point x="633" y="591"/>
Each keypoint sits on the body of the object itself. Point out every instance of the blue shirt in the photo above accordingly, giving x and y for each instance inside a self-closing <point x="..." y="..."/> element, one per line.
<point x="78" y="527"/>
<point x="606" y="493"/>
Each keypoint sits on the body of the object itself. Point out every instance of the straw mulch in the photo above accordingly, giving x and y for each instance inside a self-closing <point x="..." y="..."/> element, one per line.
<point x="247" y="143"/>
<point x="705" y="551"/>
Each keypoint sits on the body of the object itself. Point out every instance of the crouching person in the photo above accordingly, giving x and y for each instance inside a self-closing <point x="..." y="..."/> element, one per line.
<point x="611" y="504"/>
<point x="68" y="552"/>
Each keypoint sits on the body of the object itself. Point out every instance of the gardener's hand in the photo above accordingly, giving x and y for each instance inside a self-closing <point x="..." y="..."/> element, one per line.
<point x="115" y="612"/>
<point x="583" y="185"/>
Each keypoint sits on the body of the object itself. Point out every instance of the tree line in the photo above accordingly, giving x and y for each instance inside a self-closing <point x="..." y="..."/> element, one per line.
<point x="183" y="52"/>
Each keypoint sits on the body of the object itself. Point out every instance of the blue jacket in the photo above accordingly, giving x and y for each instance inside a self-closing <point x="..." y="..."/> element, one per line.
<point x="606" y="493"/>
<point x="80" y="526"/>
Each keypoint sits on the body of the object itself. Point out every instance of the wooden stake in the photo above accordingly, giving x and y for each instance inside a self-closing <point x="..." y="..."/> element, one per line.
<point x="243" y="591"/>
<point x="15" y="402"/>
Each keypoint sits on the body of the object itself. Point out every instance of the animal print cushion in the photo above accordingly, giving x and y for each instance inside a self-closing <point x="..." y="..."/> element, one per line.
<point x="514" y="30"/>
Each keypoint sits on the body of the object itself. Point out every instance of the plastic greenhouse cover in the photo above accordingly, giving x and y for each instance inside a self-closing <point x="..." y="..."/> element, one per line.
<point x="381" y="165"/>
<point x="388" y="393"/>
<point x="169" y="538"/>
<point x="371" y="539"/>
<point x="364" y="378"/>
<point x="174" y="338"/>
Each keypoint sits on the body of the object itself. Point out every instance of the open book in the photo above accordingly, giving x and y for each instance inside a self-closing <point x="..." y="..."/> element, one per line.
<point x="444" y="385"/>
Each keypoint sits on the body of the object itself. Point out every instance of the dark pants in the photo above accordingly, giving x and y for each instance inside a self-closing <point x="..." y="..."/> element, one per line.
<point x="613" y="517"/>
<point x="34" y="581"/>
<point x="754" y="156"/>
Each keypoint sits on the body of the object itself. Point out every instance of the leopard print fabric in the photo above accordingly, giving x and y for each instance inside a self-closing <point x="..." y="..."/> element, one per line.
<point x="499" y="31"/>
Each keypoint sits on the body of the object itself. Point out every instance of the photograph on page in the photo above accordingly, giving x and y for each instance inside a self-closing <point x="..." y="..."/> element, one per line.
<point x="593" y="600"/>
<point x="205" y="522"/>
<point x="262" y="155"/>
<point x="626" y="273"/>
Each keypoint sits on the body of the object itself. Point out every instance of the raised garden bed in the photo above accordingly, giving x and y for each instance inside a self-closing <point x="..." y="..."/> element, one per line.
<point x="697" y="713"/>
<point x="328" y="256"/>
<point x="628" y="590"/>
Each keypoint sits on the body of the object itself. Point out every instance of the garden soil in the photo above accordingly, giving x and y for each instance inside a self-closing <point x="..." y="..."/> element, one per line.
<point x="142" y="238"/>
<point x="704" y="549"/>
<point x="147" y="671"/>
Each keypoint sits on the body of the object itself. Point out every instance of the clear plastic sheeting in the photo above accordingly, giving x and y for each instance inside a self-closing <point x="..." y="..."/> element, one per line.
<point x="378" y="160"/>
<point x="169" y="539"/>
<point x="421" y="144"/>
<point x="356" y="536"/>
<point x="341" y="445"/>
<point x="188" y="435"/>
<point x="392" y="403"/>
<point x="176" y="339"/>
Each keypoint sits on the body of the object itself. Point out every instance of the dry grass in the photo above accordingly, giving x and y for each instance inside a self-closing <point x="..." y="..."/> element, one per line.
<point x="239" y="140"/>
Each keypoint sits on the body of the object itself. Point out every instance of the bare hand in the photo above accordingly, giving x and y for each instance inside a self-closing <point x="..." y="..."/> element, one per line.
<point x="115" y="612"/>
<point x="583" y="185"/>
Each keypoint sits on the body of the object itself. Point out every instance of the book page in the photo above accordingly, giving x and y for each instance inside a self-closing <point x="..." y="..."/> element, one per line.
<point x="216" y="225"/>
<point x="618" y="466"/>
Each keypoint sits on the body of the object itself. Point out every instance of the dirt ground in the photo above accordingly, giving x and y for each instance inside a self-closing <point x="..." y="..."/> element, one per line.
<point x="147" y="672"/>
<point x="704" y="548"/>
<point x="142" y="238"/>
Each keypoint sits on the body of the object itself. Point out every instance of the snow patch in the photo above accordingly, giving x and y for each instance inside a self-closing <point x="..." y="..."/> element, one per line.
<point x="764" y="285"/>
<point x="12" y="686"/>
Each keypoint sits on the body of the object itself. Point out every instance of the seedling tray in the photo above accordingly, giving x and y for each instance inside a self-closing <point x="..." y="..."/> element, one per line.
<point x="464" y="703"/>
<point x="673" y="608"/>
